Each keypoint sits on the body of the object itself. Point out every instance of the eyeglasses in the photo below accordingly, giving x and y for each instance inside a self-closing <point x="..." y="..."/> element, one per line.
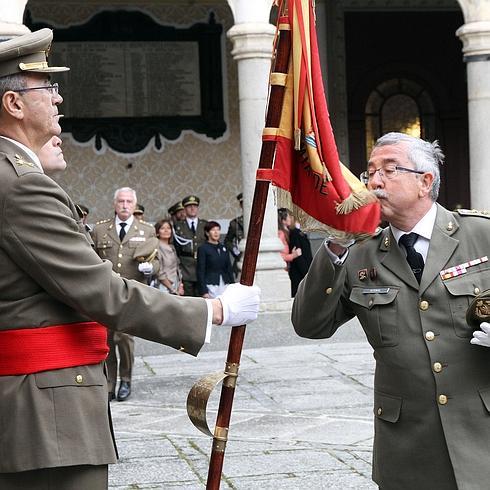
<point x="53" y="89"/>
<point x="387" y="172"/>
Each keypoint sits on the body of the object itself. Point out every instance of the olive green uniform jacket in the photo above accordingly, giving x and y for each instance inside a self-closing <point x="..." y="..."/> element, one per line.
<point x="431" y="387"/>
<point x="188" y="252"/>
<point x="51" y="275"/>
<point x="138" y="244"/>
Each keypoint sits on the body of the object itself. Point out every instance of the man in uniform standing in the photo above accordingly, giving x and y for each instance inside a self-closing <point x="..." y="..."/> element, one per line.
<point x="131" y="245"/>
<point x="176" y="212"/>
<point x="233" y="237"/>
<point x="189" y="234"/>
<point x="410" y="287"/>
<point x="57" y="297"/>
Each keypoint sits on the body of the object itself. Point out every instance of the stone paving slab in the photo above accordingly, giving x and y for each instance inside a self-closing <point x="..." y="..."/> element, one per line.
<point x="302" y="418"/>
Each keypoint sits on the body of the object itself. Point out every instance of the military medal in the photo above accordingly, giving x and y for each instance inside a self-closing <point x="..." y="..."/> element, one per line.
<point x="460" y="269"/>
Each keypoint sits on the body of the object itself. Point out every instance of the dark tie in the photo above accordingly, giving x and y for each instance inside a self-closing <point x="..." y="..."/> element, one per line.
<point x="193" y="227"/>
<point x="122" y="231"/>
<point x="414" y="259"/>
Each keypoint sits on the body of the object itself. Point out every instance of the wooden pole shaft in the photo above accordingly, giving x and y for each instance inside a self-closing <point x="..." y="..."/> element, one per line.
<point x="250" y="257"/>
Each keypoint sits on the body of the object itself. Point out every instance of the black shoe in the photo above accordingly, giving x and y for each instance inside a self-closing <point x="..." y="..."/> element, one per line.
<point x="112" y="396"/>
<point x="124" y="391"/>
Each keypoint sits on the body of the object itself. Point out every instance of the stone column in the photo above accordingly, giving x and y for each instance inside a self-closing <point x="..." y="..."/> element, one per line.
<point x="475" y="35"/>
<point x="252" y="37"/>
<point x="11" y="14"/>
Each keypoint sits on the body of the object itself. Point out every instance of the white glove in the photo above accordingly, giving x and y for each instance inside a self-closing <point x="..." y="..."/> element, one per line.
<point x="482" y="336"/>
<point x="146" y="268"/>
<point x="240" y="304"/>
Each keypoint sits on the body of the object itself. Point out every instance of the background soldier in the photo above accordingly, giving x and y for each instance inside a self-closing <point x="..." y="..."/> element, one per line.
<point x="139" y="212"/>
<point x="176" y="212"/>
<point x="124" y="240"/>
<point x="189" y="234"/>
<point x="233" y="237"/>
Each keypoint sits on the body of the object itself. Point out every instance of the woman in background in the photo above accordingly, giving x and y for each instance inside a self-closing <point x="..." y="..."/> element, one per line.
<point x="284" y="222"/>
<point x="169" y="276"/>
<point x="214" y="271"/>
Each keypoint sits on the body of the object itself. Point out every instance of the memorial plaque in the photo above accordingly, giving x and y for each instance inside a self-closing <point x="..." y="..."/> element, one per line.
<point x="133" y="80"/>
<point x="129" y="79"/>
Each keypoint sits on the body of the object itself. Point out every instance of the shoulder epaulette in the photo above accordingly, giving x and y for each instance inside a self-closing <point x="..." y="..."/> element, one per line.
<point x="473" y="212"/>
<point x="21" y="165"/>
<point x="103" y="221"/>
<point x="146" y="223"/>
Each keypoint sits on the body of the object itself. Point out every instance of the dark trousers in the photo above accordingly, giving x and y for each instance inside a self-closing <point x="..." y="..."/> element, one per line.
<point x="84" y="477"/>
<point x="125" y="347"/>
<point x="190" y="288"/>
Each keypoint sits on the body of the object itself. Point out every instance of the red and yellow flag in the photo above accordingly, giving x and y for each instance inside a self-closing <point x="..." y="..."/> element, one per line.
<point x="322" y="193"/>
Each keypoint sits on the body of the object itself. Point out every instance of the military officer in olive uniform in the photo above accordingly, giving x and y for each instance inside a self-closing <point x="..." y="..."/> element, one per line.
<point x="57" y="297"/>
<point x="131" y="245"/>
<point x="176" y="212"/>
<point x="410" y="287"/>
<point x="189" y="234"/>
<point x="233" y="237"/>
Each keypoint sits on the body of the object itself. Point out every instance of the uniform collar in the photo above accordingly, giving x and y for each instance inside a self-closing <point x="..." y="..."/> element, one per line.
<point x="129" y="221"/>
<point x="423" y="228"/>
<point x="31" y="154"/>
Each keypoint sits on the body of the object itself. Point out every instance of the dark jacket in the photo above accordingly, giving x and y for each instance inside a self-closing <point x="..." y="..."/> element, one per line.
<point x="300" y="265"/>
<point x="212" y="261"/>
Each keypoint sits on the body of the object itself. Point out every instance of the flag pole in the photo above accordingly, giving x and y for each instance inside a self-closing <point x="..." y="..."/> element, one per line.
<point x="280" y="66"/>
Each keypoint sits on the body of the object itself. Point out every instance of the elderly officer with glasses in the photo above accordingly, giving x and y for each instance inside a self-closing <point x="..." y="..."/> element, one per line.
<point x="57" y="296"/>
<point x="410" y="287"/>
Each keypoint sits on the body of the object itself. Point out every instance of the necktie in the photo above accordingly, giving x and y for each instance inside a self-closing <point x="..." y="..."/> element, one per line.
<point x="193" y="227"/>
<point x="414" y="259"/>
<point x="122" y="231"/>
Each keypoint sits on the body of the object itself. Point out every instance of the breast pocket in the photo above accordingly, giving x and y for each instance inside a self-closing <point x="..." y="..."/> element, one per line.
<point x="104" y="247"/>
<point x="377" y="310"/>
<point x="462" y="290"/>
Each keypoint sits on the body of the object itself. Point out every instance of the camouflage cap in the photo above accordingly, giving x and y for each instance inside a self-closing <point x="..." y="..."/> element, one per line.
<point x="27" y="54"/>
<point x="188" y="200"/>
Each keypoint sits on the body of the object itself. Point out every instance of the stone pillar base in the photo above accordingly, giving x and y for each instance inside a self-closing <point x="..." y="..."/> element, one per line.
<point x="276" y="291"/>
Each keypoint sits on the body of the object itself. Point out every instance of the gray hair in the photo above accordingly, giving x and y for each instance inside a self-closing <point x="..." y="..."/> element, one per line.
<point x="424" y="155"/>
<point x="14" y="82"/>
<point x="125" y="189"/>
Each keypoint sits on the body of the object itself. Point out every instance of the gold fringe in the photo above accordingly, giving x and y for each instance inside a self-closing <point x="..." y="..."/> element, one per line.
<point x="310" y="224"/>
<point x="354" y="201"/>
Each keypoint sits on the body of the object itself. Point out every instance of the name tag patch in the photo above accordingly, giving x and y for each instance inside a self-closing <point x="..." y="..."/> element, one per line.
<point x="375" y="290"/>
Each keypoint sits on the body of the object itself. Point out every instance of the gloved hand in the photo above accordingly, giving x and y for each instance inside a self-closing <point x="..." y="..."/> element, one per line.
<point x="482" y="336"/>
<point x="146" y="268"/>
<point x="240" y="304"/>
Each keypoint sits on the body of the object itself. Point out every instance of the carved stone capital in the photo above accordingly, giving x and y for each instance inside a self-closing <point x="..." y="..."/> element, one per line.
<point x="252" y="40"/>
<point x="476" y="40"/>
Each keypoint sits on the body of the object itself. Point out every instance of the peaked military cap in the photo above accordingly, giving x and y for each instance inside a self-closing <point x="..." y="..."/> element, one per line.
<point x="188" y="200"/>
<point x="27" y="54"/>
<point x="175" y="207"/>
<point x="139" y="209"/>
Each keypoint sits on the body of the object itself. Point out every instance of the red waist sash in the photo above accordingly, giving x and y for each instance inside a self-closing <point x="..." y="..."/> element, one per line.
<point x="31" y="350"/>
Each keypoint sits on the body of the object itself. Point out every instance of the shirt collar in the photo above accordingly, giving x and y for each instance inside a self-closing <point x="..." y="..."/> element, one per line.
<point x="191" y="220"/>
<point x="423" y="228"/>
<point x="31" y="154"/>
<point x="129" y="221"/>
